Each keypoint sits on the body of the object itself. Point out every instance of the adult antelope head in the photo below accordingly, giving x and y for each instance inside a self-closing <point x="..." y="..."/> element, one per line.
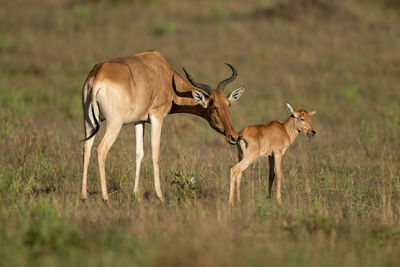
<point x="217" y="104"/>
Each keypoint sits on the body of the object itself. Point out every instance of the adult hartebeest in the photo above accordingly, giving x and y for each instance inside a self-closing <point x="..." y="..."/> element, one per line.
<point x="270" y="139"/>
<point x="144" y="88"/>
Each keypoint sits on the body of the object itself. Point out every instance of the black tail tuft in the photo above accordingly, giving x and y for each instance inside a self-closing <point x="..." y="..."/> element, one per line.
<point x="96" y="129"/>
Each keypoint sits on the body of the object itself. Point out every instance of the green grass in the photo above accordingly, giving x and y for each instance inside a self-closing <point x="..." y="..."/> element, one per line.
<point x="221" y="14"/>
<point x="83" y="13"/>
<point x="164" y="28"/>
<point x="341" y="189"/>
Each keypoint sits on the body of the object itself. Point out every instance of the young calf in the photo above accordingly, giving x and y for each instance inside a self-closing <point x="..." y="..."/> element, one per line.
<point x="270" y="139"/>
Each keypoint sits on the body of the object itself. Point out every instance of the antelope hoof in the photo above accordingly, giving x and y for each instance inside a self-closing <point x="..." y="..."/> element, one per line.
<point x="136" y="195"/>
<point x="83" y="197"/>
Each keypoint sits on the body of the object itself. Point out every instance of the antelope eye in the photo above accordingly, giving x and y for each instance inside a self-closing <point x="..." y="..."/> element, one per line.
<point x="302" y="119"/>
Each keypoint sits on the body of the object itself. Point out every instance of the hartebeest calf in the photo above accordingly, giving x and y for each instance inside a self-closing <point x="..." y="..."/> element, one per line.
<point x="144" y="88"/>
<point x="270" y="139"/>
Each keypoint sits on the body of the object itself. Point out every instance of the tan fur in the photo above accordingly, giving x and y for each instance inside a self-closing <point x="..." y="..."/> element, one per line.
<point x="270" y="139"/>
<point x="137" y="89"/>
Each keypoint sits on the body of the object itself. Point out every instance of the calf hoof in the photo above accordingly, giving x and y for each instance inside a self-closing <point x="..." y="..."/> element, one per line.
<point x="106" y="201"/>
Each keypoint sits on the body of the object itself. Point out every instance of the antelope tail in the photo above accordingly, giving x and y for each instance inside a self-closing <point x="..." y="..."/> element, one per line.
<point x="241" y="138"/>
<point x="92" y="91"/>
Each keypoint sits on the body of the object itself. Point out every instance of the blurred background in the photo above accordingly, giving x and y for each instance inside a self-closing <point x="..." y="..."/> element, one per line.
<point x="341" y="58"/>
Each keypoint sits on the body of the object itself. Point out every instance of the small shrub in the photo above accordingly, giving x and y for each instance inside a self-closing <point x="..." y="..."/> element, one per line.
<point x="262" y="206"/>
<point x="6" y="43"/>
<point x="186" y="187"/>
<point x="366" y="131"/>
<point x="350" y="95"/>
<point x="164" y="28"/>
<point x="47" y="231"/>
<point x="392" y="119"/>
<point x="221" y="14"/>
<point x="5" y="128"/>
<point x="83" y="13"/>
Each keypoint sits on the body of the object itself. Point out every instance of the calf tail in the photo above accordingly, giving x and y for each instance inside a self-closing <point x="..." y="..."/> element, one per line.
<point x="241" y="138"/>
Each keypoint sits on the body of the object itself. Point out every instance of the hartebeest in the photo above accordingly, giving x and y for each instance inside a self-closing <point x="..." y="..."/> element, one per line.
<point x="270" y="139"/>
<point x="144" y="88"/>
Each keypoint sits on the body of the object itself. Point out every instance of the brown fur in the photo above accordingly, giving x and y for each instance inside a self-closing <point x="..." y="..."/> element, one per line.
<point x="137" y="89"/>
<point x="270" y="139"/>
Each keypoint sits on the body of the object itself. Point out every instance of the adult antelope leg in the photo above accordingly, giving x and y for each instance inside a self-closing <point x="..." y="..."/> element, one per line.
<point x="139" y="133"/>
<point x="156" y="125"/>
<point x="87" y="148"/>
<point x="111" y="134"/>
<point x="86" y="158"/>
<point x="271" y="174"/>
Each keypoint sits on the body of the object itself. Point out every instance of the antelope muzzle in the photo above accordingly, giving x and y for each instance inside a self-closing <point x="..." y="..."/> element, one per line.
<point x="311" y="133"/>
<point x="232" y="138"/>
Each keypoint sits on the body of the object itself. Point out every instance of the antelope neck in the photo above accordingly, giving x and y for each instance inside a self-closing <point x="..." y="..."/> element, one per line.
<point x="290" y="129"/>
<point x="183" y="101"/>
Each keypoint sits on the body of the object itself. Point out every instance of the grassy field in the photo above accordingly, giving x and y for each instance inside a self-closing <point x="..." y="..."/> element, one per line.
<point x="341" y="189"/>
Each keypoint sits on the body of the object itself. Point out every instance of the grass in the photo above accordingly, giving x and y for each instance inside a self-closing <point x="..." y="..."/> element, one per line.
<point x="340" y="189"/>
<point x="164" y="28"/>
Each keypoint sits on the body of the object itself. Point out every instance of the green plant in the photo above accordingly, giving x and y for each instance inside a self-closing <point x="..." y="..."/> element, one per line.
<point x="83" y="12"/>
<point x="350" y="94"/>
<point x="164" y="28"/>
<point x="367" y="132"/>
<point x="6" y="43"/>
<point x="186" y="187"/>
<point x="222" y="15"/>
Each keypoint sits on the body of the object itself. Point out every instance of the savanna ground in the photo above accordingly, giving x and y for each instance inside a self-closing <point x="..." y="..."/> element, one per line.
<point x="341" y="189"/>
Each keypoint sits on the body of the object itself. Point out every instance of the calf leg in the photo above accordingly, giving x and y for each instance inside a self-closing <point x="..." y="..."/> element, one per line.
<point x="234" y="171"/>
<point x="236" y="174"/>
<point x="278" y="173"/>
<point x="271" y="174"/>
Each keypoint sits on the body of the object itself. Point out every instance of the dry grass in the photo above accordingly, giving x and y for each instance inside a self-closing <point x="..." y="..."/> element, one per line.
<point x="341" y="189"/>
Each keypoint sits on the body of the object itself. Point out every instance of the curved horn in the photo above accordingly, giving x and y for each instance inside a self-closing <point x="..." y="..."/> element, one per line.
<point x="205" y="87"/>
<point x="222" y="84"/>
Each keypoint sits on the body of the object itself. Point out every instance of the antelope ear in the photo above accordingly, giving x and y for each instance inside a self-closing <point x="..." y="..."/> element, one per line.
<point x="291" y="110"/>
<point x="312" y="112"/>
<point x="236" y="94"/>
<point x="200" y="98"/>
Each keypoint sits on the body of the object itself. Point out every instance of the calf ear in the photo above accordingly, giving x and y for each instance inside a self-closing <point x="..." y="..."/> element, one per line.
<point x="200" y="98"/>
<point x="312" y="112"/>
<point x="236" y="94"/>
<point x="291" y="110"/>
